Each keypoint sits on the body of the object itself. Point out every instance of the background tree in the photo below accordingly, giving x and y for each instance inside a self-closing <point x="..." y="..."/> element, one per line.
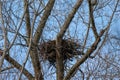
<point x="88" y="24"/>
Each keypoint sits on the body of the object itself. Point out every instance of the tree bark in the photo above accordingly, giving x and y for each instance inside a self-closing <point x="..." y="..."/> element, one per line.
<point x="33" y="53"/>
<point x="59" y="57"/>
<point x="19" y="67"/>
<point x="83" y="59"/>
<point x="27" y="20"/>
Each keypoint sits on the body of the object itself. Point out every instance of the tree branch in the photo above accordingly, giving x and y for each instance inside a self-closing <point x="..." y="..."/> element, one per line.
<point x="27" y="19"/>
<point x="92" y="49"/>
<point x="17" y="65"/>
<point x="44" y="18"/>
<point x="17" y="32"/>
<point x="69" y="19"/>
<point x="4" y="35"/>
<point x="7" y="68"/>
<point x="106" y="30"/>
<point x="92" y="19"/>
<point x="59" y="57"/>
<point x="83" y="59"/>
<point x="33" y="52"/>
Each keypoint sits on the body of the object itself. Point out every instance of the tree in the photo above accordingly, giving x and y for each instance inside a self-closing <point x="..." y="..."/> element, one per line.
<point x="85" y="24"/>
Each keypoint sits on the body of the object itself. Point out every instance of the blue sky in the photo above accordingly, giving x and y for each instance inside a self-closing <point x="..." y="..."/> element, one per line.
<point x="60" y="11"/>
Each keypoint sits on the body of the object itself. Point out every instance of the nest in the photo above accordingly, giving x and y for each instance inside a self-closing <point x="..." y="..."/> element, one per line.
<point x="68" y="49"/>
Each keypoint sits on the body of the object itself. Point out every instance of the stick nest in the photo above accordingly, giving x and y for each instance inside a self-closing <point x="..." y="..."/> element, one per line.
<point x="68" y="50"/>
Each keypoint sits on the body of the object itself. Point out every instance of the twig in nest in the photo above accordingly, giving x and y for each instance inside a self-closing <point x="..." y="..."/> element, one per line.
<point x="69" y="50"/>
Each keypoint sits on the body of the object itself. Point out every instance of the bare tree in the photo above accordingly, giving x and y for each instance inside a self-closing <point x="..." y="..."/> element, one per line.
<point x="59" y="39"/>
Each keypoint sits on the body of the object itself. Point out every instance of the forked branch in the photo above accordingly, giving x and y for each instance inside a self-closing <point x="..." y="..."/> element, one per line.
<point x="92" y="49"/>
<point x="59" y="57"/>
<point x="92" y="19"/>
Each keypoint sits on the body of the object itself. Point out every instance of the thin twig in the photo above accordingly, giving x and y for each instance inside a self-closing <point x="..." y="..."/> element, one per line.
<point x="7" y="68"/>
<point x="92" y="19"/>
<point x="4" y="35"/>
<point x="106" y="29"/>
<point x="31" y="35"/>
<point x="19" y="26"/>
